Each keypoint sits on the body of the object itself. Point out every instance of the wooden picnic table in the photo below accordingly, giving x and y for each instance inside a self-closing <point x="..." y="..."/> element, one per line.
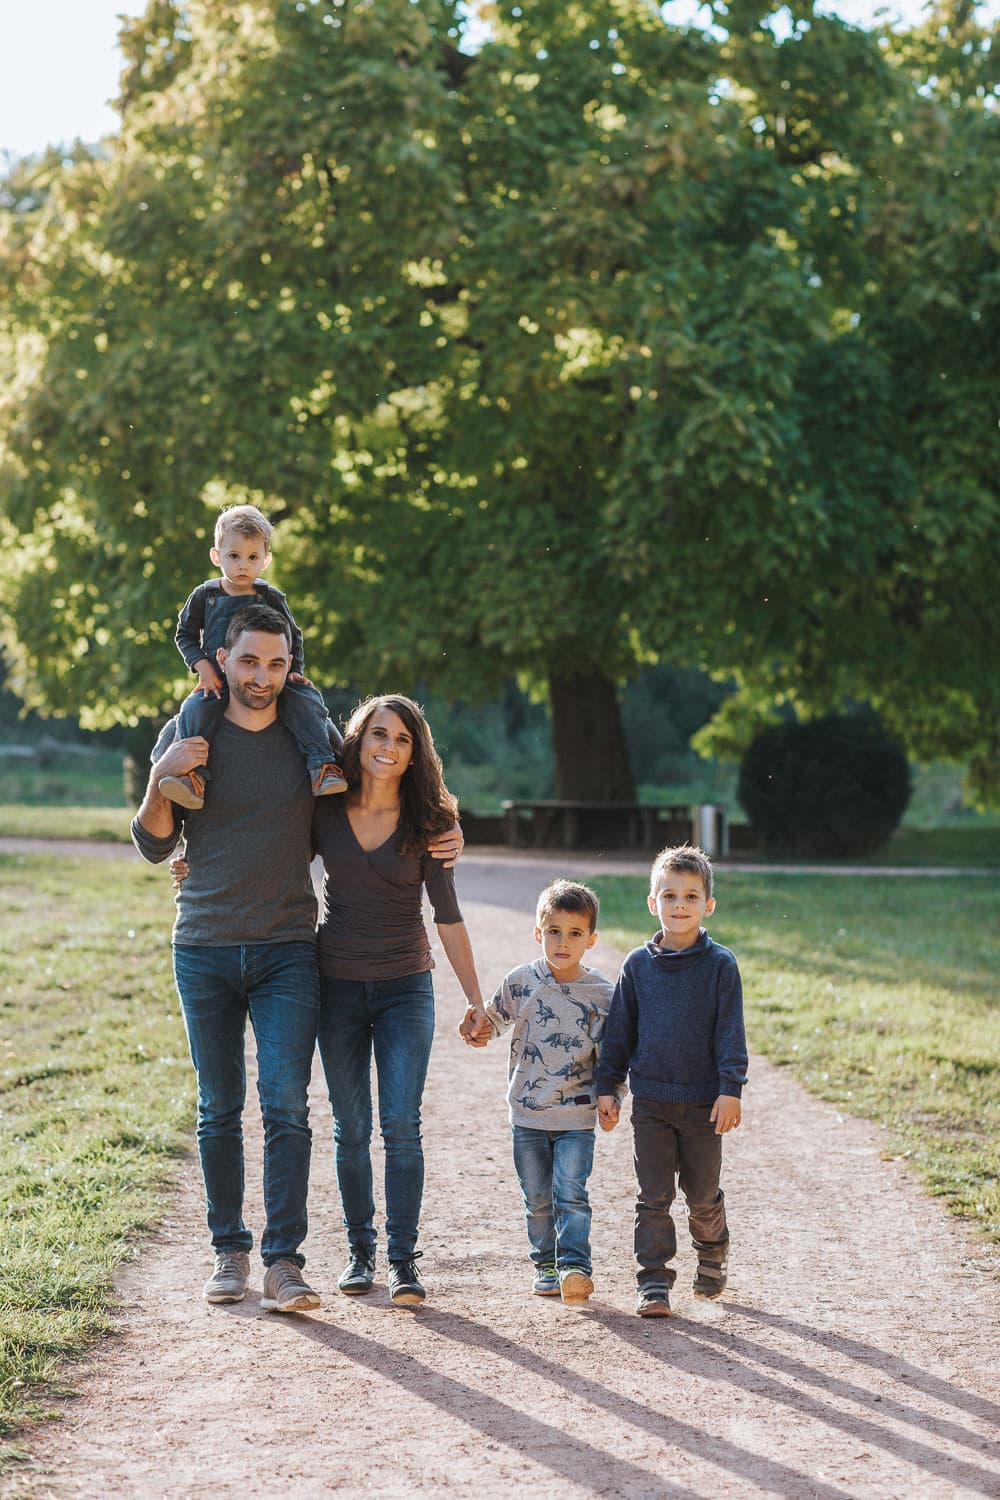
<point x="555" y="822"/>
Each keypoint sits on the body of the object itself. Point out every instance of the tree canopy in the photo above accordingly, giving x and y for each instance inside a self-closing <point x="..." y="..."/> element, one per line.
<point x="608" y="342"/>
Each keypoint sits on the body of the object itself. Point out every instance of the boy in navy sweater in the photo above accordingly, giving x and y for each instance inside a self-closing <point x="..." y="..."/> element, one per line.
<point x="676" y="1028"/>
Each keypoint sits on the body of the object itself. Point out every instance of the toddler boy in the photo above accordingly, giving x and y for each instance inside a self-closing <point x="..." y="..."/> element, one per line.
<point x="556" y="1009"/>
<point x="241" y="553"/>
<point x="676" y="1028"/>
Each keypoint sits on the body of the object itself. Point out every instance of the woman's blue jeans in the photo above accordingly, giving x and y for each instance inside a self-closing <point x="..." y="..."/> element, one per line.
<point x="277" y="986"/>
<point x="553" y="1167"/>
<point x="394" y="1018"/>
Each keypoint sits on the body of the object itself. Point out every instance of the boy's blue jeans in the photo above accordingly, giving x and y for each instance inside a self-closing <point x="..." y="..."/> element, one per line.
<point x="277" y="986"/>
<point x="553" y="1167"/>
<point x="301" y="709"/>
<point x="395" y="1019"/>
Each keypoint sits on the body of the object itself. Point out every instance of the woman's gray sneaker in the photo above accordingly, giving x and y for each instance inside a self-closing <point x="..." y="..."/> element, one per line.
<point x="231" y="1277"/>
<point x="359" y="1274"/>
<point x="404" y="1283"/>
<point x="286" y="1290"/>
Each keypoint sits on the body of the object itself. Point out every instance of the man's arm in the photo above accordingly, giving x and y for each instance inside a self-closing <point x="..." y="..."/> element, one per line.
<point x="447" y="846"/>
<point x="156" y="828"/>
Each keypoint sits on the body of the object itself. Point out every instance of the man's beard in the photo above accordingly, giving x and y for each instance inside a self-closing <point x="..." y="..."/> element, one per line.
<point x="243" y="694"/>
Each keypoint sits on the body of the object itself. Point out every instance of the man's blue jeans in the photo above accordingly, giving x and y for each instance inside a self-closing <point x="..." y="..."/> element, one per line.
<point x="277" y="986"/>
<point x="395" y="1019"/>
<point x="553" y="1167"/>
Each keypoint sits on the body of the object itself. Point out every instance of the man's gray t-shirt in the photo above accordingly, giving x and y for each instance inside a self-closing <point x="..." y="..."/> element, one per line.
<point x="249" y="847"/>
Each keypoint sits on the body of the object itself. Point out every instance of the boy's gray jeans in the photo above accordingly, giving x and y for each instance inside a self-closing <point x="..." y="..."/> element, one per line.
<point x="676" y="1142"/>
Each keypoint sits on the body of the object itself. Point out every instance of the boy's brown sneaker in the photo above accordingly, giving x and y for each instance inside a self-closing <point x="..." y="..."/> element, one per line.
<point x="231" y="1277"/>
<point x="575" y="1286"/>
<point x="187" y="791"/>
<point x="654" y="1302"/>
<point x="328" y="780"/>
<point x="286" y="1290"/>
<point x="710" y="1282"/>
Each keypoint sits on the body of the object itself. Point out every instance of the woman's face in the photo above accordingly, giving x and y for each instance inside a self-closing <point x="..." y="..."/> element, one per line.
<point x="386" y="746"/>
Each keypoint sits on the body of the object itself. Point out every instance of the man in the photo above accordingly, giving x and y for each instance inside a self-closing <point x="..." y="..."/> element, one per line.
<point x="244" y="945"/>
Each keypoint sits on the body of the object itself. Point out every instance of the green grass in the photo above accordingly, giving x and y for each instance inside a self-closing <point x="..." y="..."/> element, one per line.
<point x="96" y="1101"/>
<point x="100" y="824"/>
<point x="881" y="997"/>
<point x="54" y="774"/>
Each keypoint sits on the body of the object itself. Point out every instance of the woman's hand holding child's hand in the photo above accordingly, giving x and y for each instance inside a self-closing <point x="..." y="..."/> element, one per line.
<point x="475" y="1028"/>
<point x="726" y="1113"/>
<point x="608" y="1111"/>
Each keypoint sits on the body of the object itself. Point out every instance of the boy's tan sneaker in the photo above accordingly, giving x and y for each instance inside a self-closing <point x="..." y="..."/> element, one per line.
<point x="328" y="781"/>
<point x="286" y="1290"/>
<point x="575" y="1286"/>
<point x="231" y="1277"/>
<point x="187" y="791"/>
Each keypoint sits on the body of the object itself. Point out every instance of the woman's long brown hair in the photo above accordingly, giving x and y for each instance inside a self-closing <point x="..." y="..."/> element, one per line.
<point x="426" y="805"/>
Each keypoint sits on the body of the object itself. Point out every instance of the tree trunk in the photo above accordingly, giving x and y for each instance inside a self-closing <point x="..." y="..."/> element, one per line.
<point x="588" y="739"/>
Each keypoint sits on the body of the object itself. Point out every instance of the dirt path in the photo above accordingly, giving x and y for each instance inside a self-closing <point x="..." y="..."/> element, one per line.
<point x="856" y="1354"/>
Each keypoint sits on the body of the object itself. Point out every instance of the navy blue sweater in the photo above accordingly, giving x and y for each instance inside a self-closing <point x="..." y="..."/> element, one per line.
<point x="676" y="1025"/>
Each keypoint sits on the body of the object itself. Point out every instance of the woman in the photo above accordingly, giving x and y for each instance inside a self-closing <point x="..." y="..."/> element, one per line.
<point x="375" y="972"/>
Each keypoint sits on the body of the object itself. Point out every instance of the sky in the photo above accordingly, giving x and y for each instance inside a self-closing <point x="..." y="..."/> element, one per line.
<point x="59" y="63"/>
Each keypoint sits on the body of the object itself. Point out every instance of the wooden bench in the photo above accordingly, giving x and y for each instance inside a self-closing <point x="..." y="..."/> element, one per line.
<point x="556" y="823"/>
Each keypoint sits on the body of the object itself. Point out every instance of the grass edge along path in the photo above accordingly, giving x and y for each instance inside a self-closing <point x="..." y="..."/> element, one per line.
<point x="881" y="998"/>
<point x="96" y="1104"/>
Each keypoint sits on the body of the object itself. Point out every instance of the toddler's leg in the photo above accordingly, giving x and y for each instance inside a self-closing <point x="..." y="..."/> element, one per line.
<point x="700" y="1169"/>
<point x="201" y="714"/>
<point x="533" y="1159"/>
<point x="654" y="1127"/>
<point x="573" y="1160"/>
<point x="305" y="716"/>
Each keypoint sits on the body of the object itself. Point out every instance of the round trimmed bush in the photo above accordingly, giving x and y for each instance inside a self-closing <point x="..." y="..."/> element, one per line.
<point x="835" y="786"/>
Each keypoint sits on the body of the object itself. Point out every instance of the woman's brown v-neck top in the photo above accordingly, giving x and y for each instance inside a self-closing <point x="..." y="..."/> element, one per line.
<point x="373" y="923"/>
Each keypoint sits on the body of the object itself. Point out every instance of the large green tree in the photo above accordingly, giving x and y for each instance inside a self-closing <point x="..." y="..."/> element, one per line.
<point x="611" y="341"/>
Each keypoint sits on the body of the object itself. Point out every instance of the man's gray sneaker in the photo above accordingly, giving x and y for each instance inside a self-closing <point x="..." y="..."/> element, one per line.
<point x="286" y="1290"/>
<point x="231" y="1277"/>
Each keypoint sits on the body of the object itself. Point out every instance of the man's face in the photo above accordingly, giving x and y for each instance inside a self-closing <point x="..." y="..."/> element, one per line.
<point x="255" y="667"/>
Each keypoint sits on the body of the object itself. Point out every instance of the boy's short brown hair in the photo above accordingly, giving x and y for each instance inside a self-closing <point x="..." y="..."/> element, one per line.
<point x="571" y="896"/>
<point x="245" y="520"/>
<point x="688" y="859"/>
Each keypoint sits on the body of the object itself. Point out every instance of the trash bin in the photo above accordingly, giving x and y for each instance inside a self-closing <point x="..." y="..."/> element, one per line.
<point x="712" y="829"/>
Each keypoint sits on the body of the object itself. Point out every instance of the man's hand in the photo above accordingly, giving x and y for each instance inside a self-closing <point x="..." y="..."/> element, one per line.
<point x="475" y="1028"/>
<point x="447" y="846"/>
<point x="179" y="871"/>
<point x="608" y="1111"/>
<point x="180" y="757"/>
<point x="208" y="678"/>
<point x="726" y="1114"/>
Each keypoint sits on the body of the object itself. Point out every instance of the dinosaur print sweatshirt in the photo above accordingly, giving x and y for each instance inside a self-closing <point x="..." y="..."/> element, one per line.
<point x="556" y="1032"/>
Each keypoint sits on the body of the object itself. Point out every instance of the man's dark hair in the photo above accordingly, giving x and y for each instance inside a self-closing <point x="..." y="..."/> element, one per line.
<point x="257" y="617"/>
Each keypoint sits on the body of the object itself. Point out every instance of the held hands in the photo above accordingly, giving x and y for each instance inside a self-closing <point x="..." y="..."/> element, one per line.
<point x="208" y="678"/>
<point x="608" y="1111"/>
<point x="475" y="1028"/>
<point x="727" y="1113"/>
